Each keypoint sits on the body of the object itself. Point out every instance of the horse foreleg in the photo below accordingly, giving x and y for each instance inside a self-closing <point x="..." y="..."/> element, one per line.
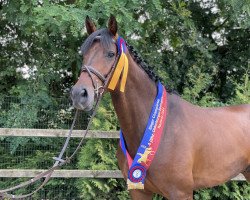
<point x="140" y="195"/>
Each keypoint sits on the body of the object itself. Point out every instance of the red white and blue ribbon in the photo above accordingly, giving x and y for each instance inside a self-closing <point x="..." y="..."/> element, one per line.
<point x="149" y="144"/>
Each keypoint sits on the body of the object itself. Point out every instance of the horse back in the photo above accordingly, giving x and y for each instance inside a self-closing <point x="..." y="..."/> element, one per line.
<point x="239" y="116"/>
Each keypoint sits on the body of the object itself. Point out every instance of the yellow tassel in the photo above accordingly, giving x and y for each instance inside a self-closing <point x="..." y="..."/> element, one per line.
<point x="117" y="72"/>
<point x="125" y="75"/>
<point x="134" y="186"/>
<point x="122" y="66"/>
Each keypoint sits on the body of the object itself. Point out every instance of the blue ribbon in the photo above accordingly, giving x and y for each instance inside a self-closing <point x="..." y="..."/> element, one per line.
<point x="121" y="44"/>
<point x="145" y="140"/>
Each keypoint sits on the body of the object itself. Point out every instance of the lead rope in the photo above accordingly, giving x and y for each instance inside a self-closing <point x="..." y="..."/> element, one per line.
<point x="48" y="173"/>
<point x="59" y="161"/>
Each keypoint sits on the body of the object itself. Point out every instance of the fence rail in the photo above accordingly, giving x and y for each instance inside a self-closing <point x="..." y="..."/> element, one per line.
<point x="11" y="173"/>
<point x="18" y="173"/>
<point x="56" y="133"/>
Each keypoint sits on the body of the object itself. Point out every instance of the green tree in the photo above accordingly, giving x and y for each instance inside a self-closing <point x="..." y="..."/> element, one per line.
<point x="200" y="48"/>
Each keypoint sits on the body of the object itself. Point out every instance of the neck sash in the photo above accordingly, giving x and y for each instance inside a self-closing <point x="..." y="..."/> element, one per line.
<point x="149" y="143"/>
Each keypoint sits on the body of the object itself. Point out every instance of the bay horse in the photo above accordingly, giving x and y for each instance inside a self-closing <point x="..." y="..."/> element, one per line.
<point x="199" y="147"/>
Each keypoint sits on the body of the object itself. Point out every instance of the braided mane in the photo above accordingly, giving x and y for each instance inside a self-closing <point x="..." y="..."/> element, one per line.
<point x="142" y="63"/>
<point x="147" y="68"/>
<point x="106" y="40"/>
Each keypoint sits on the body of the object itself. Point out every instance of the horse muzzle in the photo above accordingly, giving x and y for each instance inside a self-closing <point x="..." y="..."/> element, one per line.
<point x="82" y="97"/>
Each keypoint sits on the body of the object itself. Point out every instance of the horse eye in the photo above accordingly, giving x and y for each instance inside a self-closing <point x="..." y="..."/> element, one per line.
<point x="110" y="54"/>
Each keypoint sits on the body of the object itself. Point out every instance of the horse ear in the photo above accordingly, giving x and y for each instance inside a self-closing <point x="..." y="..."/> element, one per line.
<point x="90" y="26"/>
<point x="112" y="25"/>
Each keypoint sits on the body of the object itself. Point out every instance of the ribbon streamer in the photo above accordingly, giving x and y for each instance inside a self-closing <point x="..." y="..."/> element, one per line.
<point x="121" y="67"/>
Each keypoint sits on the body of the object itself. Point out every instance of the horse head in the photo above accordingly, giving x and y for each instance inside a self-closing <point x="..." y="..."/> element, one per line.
<point x="100" y="56"/>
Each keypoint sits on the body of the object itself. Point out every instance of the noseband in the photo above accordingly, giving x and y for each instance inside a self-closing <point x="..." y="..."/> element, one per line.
<point x="99" y="89"/>
<point x="90" y="70"/>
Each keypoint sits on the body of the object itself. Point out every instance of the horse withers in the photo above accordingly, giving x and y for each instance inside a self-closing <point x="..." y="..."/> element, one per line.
<point x="199" y="147"/>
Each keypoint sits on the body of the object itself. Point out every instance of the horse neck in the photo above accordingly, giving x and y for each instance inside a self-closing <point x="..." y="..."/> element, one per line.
<point x="133" y="107"/>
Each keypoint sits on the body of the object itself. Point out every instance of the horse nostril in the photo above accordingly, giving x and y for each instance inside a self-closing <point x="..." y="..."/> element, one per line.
<point x="84" y="93"/>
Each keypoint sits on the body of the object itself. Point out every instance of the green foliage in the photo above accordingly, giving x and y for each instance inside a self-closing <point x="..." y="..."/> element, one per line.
<point x="200" y="48"/>
<point x="230" y="191"/>
<point x="98" y="154"/>
<point x="243" y="89"/>
<point x="106" y="117"/>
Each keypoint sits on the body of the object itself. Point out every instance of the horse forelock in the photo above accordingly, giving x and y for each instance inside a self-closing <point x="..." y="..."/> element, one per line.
<point x="102" y="35"/>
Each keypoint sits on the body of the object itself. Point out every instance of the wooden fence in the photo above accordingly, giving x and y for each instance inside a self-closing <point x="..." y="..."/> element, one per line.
<point x="11" y="173"/>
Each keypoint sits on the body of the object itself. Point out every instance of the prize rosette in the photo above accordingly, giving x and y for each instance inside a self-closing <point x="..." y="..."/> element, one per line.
<point x="136" y="177"/>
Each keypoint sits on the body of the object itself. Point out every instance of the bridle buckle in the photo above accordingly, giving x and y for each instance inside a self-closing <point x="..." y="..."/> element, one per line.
<point x="99" y="90"/>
